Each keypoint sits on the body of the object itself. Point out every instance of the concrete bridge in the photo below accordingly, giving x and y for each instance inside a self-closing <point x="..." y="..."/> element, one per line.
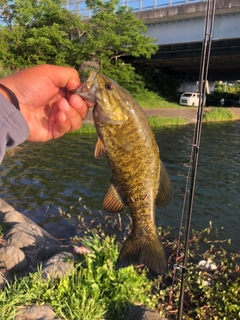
<point x="179" y="31"/>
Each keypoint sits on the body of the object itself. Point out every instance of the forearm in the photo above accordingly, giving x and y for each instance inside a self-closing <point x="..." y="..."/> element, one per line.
<point x="13" y="127"/>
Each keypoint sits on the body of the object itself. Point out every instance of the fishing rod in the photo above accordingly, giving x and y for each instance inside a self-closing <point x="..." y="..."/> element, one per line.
<point x="205" y="56"/>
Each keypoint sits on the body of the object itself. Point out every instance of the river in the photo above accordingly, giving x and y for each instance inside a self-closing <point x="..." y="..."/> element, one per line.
<point x="43" y="181"/>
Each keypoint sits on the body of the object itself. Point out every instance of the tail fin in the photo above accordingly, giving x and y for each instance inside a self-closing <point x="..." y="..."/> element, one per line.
<point x="148" y="251"/>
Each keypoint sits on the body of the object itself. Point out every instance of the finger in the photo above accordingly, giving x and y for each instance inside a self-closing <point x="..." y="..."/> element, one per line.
<point x="62" y="76"/>
<point x="77" y="100"/>
<point x="61" y="126"/>
<point x="79" y="104"/>
<point x="74" y="116"/>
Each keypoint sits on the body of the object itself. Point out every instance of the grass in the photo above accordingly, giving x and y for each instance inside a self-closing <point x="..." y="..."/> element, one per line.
<point x="218" y="114"/>
<point x="87" y="128"/>
<point x="151" y="100"/>
<point x="4" y="72"/>
<point x="96" y="291"/>
<point x="157" y="122"/>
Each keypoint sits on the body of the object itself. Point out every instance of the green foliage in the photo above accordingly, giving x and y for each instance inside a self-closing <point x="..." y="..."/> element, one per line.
<point x="94" y="291"/>
<point x="156" y="122"/>
<point x="87" y="128"/>
<point x="218" y="114"/>
<point x="209" y="295"/>
<point x="114" y="33"/>
<point x="221" y="87"/>
<point x="36" y="32"/>
<point x="159" y="81"/>
<point x="124" y="75"/>
<point x="4" y="72"/>
<point x="150" y="100"/>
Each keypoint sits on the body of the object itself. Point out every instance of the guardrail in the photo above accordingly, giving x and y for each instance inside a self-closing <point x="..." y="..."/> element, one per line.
<point x="80" y="7"/>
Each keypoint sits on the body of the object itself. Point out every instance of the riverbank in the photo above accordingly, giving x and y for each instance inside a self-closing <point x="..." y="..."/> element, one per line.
<point x="189" y="114"/>
<point x="56" y="288"/>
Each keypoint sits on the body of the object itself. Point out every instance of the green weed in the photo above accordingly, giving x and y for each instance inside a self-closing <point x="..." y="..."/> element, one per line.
<point x="156" y="122"/>
<point x="218" y="114"/>
<point x="93" y="291"/>
<point x="87" y="128"/>
<point x="151" y="100"/>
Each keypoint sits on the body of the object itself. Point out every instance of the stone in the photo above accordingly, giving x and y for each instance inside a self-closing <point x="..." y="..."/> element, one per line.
<point x="24" y="236"/>
<point x="2" y="280"/>
<point x="29" y="233"/>
<point x="12" y="259"/>
<point x="58" y="266"/>
<point x="49" y="248"/>
<point x="142" y="313"/>
<point x="12" y="217"/>
<point x="33" y="312"/>
<point x="4" y="206"/>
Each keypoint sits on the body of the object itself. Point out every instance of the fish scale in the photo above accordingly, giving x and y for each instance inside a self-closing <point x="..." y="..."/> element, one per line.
<point x="139" y="179"/>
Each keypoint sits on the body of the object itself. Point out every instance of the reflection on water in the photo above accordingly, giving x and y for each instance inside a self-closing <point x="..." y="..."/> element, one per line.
<point x="38" y="179"/>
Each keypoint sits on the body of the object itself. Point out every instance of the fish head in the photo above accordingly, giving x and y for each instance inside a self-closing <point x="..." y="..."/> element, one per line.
<point x="111" y="103"/>
<point x="112" y="107"/>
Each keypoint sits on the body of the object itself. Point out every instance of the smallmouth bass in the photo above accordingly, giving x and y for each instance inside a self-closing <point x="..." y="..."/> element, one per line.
<point x="139" y="179"/>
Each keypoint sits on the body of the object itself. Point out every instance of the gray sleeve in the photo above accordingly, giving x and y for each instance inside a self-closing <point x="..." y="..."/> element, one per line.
<point x="13" y="127"/>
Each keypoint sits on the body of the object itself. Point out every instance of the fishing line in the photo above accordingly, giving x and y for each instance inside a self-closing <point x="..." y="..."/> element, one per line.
<point x="192" y="170"/>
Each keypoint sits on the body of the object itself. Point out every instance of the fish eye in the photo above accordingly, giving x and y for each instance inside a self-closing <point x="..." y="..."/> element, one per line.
<point x="109" y="86"/>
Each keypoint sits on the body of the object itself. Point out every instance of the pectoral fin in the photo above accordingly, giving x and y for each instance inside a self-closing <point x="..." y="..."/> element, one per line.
<point x="99" y="149"/>
<point x="122" y="140"/>
<point x="165" y="191"/>
<point x="112" y="201"/>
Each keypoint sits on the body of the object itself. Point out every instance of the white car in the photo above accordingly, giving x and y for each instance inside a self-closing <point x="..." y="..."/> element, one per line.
<point x="189" y="99"/>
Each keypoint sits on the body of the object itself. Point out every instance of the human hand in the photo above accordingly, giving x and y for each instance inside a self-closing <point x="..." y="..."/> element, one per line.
<point x="45" y="100"/>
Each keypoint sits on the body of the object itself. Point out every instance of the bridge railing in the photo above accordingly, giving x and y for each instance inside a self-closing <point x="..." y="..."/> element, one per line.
<point x="80" y="7"/>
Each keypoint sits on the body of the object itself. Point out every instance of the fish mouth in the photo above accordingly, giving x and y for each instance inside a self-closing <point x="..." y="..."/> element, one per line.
<point x="93" y="91"/>
<point x="88" y="89"/>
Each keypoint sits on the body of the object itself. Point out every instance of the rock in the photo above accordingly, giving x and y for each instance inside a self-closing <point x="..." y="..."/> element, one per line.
<point x="202" y="264"/>
<point x="2" y="280"/>
<point x="207" y="265"/>
<point x="142" y="313"/>
<point x="43" y="312"/>
<point x="27" y="235"/>
<point x="12" y="217"/>
<point x="58" y="266"/>
<point x="12" y="259"/>
<point x="4" y="206"/>
<point x="24" y="236"/>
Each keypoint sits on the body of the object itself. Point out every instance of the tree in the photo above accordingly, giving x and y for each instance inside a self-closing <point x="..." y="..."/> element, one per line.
<point x="114" y="33"/>
<point x="41" y="31"/>
<point x="35" y="32"/>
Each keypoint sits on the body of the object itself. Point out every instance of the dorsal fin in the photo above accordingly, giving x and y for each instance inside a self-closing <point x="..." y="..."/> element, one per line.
<point x="112" y="201"/>
<point x="99" y="149"/>
<point x="165" y="191"/>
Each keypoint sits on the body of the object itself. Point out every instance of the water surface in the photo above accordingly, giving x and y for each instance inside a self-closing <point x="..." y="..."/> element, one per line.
<point x="43" y="180"/>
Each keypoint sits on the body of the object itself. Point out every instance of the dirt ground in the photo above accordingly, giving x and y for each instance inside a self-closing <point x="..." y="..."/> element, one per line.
<point x="188" y="114"/>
